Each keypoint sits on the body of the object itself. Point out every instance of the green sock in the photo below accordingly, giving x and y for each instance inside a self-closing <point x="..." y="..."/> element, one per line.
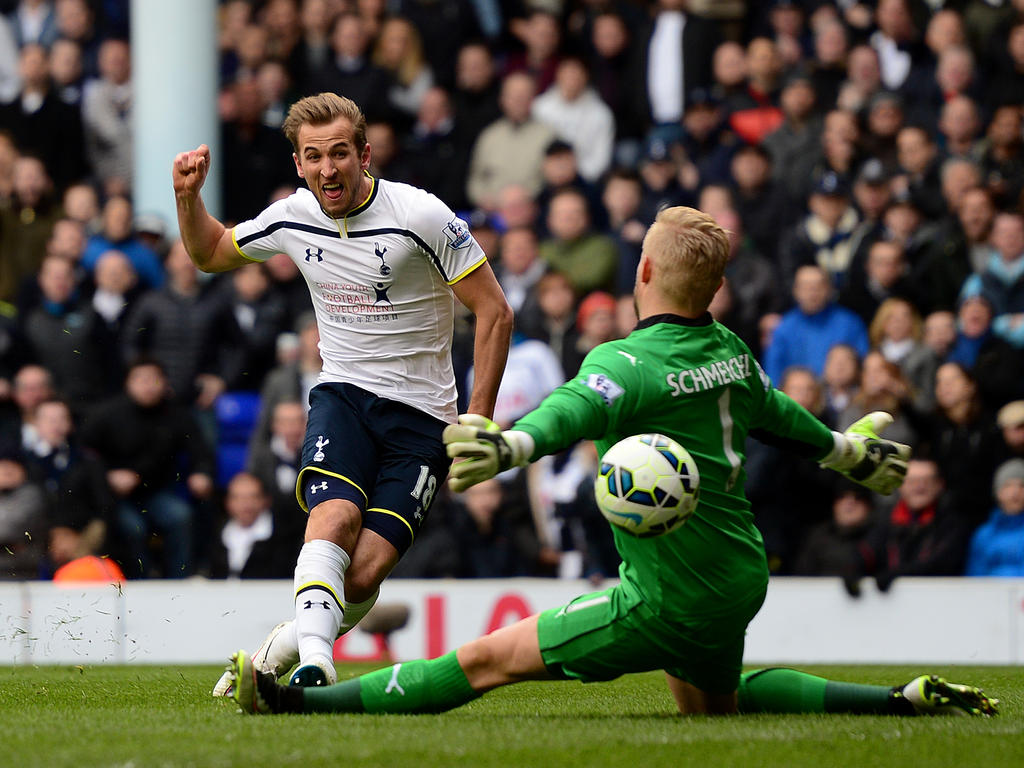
<point x="412" y="686"/>
<point x="779" y="690"/>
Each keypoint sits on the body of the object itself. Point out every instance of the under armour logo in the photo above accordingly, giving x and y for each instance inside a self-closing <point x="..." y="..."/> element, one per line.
<point x="380" y="250"/>
<point x="393" y="685"/>
<point x="314" y="487"/>
<point x="318" y="255"/>
<point x="320" y="443"/>
<point x="323" y="603"/>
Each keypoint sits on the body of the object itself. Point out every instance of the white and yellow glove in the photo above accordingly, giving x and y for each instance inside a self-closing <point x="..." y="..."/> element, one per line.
<point x="864" y="457"/>
<point x="484" y="449"/>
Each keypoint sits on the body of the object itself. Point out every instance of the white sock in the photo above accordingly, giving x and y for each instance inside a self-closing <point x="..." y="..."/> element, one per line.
<point x="354" y="612"/>
<point x="319" y="589"/>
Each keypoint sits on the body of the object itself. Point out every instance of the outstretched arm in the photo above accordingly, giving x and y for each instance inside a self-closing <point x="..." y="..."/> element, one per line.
<point x="480" y="292"/>
<point x="207" y="241"/>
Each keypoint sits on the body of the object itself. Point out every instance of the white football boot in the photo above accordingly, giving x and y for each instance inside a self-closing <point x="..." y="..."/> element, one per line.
<point x="276" y="656"/>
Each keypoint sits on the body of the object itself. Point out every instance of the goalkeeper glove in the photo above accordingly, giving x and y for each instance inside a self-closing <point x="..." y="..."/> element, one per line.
<point x="864" y="457"/>
<point x="485" y="450"/>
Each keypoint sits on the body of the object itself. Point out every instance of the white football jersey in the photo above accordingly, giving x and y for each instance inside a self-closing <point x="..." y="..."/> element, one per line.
<point x="380" y="280"/>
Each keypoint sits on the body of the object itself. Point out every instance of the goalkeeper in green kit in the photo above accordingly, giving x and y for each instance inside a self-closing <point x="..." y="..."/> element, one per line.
<point x="685" y="598"/>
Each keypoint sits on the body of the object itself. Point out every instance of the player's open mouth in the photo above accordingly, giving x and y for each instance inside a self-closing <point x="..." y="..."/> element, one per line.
<point x="332" y="191"/>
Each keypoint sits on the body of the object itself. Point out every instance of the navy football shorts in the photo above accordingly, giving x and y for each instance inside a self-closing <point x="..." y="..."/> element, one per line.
<point x="385" y="457"/>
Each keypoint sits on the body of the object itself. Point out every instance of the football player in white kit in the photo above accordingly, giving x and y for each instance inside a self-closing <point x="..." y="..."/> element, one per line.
<point x="384" y="262"/>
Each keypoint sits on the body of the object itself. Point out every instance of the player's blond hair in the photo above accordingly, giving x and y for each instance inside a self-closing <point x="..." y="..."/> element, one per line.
<point x="688" y="251"/>
<point x="321" y="109"/>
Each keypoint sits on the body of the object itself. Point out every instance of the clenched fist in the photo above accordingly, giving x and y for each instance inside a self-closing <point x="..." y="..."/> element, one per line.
<point x="189" y="171"/>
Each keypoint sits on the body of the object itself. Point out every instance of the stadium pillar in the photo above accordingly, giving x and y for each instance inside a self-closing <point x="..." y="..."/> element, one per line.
<point x="174" y="92"/>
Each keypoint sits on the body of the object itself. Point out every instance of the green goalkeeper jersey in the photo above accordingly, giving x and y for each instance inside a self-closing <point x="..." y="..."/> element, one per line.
<point x="698" y="383"/>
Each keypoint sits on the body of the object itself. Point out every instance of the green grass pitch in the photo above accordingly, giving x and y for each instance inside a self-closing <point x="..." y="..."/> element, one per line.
<point x="164" y="716"/>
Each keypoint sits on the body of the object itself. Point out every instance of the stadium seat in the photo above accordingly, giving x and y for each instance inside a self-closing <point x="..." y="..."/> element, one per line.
<point x="237" y="413"/>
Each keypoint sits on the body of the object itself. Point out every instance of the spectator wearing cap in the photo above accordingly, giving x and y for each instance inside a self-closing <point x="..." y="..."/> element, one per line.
<point x="151" y="229"/>
<point x="22" y="517"/>
<point x="807" y="332"/>
<point x="659" y="170"/>
<point x="575" y="112"/>
<point x="707" y="139"/>
<point x="997" y="547"/>
<point x="587" y="258"/>
<point x="1010" y="420"/>
<point x="511" y="149"/>
<point x="871" y="196"/>
<point x="595" y="321"/>
<point x="823" y="237"/>
<point x="676" y="53"/>
<point x="1002" y="279"/>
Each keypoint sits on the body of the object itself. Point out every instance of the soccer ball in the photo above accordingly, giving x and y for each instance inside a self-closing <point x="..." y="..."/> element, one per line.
<point x="647" y="485"/>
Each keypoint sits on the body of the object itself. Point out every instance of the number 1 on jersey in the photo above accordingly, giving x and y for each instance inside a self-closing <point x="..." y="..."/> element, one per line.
<point x="730" y="455"/>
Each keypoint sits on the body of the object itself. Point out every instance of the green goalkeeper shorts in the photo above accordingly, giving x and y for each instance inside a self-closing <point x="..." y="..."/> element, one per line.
<point x="602" y="635"/>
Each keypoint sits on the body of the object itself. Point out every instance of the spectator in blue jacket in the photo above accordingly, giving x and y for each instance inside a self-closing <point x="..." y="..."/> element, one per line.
<point x="1002" y="280"/>
<point x="817" y="323"/>
<point x="997" y="547"/>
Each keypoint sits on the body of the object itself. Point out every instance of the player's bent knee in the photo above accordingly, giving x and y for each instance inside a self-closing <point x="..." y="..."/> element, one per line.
<point x="336" y="520"/>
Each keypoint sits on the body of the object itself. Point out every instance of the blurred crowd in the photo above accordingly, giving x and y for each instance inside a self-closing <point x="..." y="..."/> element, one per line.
<point x="866" y="157"/>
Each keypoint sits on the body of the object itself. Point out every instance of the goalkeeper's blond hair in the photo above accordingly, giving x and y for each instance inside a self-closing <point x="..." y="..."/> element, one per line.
<point x="688" y="251"/>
